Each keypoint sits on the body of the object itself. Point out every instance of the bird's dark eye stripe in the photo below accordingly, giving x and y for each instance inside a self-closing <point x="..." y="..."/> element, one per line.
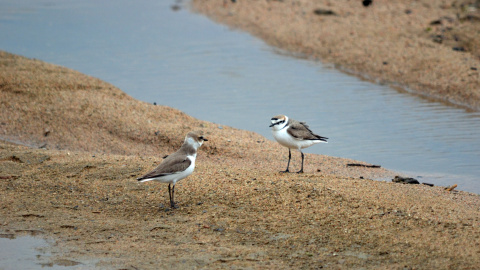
<point x="280" y="122"/>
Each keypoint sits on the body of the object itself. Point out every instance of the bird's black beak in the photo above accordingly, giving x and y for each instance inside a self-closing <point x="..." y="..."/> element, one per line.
<point x="203" y="139"/>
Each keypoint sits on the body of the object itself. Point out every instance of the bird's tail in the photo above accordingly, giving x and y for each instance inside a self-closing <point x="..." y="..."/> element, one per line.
<point x="140" y="179"/>
<point x="322" y="139"/>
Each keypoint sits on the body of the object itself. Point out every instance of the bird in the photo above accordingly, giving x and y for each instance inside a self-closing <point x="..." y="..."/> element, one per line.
<point x="178" y="165"/>
<point x="294" y="135"/>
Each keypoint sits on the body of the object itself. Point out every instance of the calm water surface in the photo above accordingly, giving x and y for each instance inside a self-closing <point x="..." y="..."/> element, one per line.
<point x="211" y="72"/>
<point x="28" y="252"/>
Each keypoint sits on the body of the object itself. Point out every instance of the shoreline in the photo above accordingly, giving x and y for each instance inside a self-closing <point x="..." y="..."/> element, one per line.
<point x="403" y="50"/>
<point x="236" y="210"/>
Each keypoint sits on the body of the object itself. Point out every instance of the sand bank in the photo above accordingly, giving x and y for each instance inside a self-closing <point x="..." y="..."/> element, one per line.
<point x="428" y="47"/>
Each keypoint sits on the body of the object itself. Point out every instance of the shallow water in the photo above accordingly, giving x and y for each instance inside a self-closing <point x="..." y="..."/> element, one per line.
<point x="28" y="252"/>
<point x="211" y="72"/>
<point x="10" y="250"/>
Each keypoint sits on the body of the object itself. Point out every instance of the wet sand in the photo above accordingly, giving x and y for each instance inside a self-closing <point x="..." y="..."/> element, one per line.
<point x="427" y="47"/>
<point x="71" y="147"/>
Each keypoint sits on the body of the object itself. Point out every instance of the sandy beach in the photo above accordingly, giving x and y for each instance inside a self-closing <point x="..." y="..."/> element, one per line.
<point x="72" y="146"/>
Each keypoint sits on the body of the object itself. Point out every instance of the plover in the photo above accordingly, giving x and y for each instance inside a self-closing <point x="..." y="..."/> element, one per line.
<point x="294" y="135"/>
<point x="177" y="166"/>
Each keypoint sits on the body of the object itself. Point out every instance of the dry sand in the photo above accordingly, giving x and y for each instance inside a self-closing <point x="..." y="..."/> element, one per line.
<point x="427" y="47"/>
<point x="79" y="144"/>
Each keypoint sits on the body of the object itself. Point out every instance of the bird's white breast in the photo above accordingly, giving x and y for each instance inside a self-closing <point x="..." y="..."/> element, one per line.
<point x="190" y="168"/>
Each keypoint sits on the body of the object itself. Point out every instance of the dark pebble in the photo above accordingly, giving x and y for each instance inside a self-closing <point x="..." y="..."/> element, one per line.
<point x="405" y="180"/>
<point x="459" y="49"/>
<point x="367" y="3"/>
<point x="324" y="12"/>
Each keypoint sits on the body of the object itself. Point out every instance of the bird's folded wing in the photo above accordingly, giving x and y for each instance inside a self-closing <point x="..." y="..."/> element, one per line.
<point x="300" y="131"/>
<point x="170" y="165"/>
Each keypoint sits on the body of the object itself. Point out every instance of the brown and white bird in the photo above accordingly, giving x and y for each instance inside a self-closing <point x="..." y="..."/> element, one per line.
<point x="177" y="166"/>
<point x="294" y="135"/>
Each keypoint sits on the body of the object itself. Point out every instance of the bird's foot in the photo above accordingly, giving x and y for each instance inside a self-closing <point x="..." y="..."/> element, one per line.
<point x="301" y="171"/>
<point x="174" y="206"/>
<point x="286" y="171"/>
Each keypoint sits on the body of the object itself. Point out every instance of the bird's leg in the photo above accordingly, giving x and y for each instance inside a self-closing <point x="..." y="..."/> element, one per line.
<point x="288" y="164"/>
<point x="301" y="170"/>
<point x="172" y="201"/>
<point x="170" y="194"/>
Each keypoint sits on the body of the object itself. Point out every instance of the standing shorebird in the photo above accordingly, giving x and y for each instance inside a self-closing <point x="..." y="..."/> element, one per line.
<point x="178" y="165"/>
<point x="294" y="135"/>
